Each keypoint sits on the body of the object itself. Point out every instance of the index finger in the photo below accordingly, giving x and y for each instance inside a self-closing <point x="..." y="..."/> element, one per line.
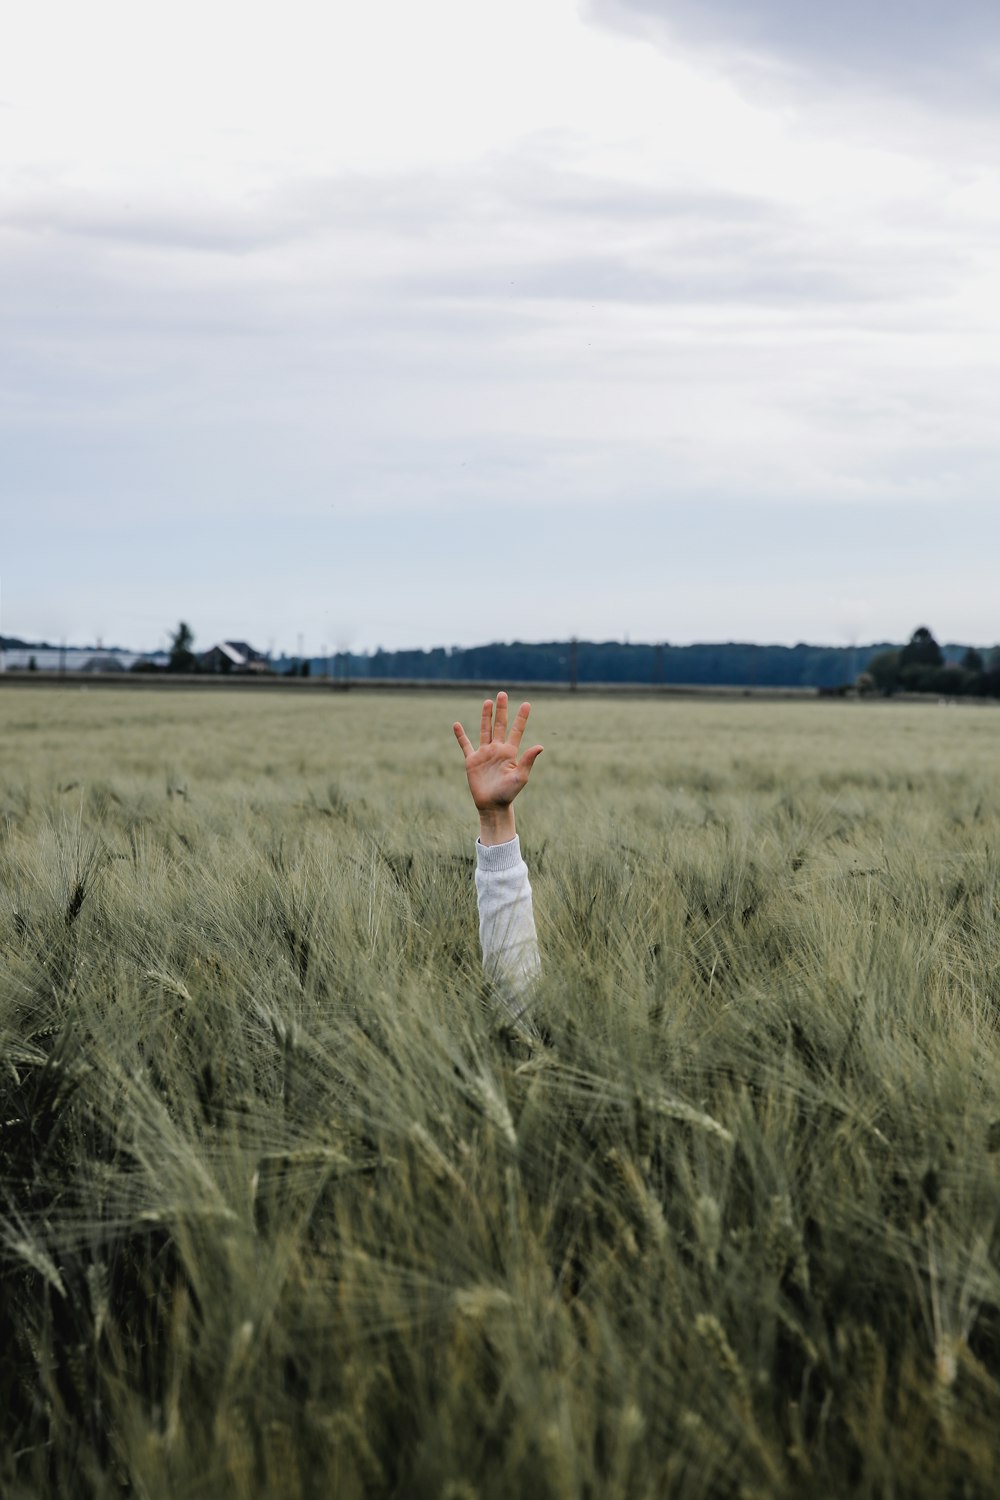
<point x="517" y="728"/>
<point x="486" y="726"/>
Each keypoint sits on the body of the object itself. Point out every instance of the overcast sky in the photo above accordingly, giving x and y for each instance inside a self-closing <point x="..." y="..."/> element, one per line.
<point x="434" y="324"/>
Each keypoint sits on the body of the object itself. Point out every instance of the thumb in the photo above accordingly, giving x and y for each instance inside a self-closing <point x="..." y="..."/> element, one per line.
<point x="530" y="756"/>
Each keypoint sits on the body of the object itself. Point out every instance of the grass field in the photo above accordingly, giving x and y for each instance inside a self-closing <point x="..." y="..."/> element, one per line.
<point x="286" y="1211"/>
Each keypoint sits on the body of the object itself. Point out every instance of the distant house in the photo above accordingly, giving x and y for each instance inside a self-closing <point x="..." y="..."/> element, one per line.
<point x="232" y="656"/>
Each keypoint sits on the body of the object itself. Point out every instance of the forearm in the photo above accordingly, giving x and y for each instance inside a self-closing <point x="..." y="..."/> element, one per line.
<point x="506" y="919"/>
<point x="496" y="826"/>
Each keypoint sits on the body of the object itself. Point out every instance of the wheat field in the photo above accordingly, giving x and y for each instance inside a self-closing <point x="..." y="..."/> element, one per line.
<point x="288" y="1211"/>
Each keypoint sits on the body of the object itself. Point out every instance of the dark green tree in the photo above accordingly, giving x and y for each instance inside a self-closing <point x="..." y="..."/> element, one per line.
<point x="182" y="658"/>
<point x="884" y="668"/>
<point x="920" y="662"/>
<point x="972" y="661"/>
<point x="922" y="650"/>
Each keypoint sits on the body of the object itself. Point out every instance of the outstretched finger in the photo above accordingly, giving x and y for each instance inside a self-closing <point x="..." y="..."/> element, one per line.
<point x="519" y="723"/>
<point x="465" y="744"/>
<point x="486" y="727"/>
<point x="529" y="757"/>
<point x="500" y="724"/>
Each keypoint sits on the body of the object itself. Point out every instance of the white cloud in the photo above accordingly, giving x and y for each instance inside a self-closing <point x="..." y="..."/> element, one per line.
<point x="282" y="265"/>
<point x="948" y="53"/>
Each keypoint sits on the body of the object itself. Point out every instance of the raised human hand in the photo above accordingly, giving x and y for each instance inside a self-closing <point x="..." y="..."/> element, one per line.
<point x="494" y="771"/>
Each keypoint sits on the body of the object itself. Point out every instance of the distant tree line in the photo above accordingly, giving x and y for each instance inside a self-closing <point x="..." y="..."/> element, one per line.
<point x="724" y="664"/>
<point x="921" y="667"/>
<point x="731" y="664"/>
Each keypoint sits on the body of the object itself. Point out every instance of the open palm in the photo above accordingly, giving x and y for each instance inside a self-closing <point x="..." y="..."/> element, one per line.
<point x="494" y="771"/>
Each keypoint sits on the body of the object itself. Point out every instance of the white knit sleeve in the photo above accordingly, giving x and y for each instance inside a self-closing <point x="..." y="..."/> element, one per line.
<point x="506" y="921"/>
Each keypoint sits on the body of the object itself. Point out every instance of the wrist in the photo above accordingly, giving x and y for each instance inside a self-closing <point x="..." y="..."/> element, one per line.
<point x="496" y="825"/>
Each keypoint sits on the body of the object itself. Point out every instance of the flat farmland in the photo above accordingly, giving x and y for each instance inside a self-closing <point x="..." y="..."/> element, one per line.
<point x="288" y="1210"/>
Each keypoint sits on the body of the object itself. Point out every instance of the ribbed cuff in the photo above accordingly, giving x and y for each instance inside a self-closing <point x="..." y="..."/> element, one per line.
<point x="496" y="857"/>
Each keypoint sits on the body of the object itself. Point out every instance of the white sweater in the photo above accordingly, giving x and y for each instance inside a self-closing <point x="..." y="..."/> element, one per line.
<point x="506" y="922"/>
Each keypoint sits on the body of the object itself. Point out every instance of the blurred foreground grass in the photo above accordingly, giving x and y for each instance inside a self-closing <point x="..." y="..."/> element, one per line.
<point x="285" y="1212"/>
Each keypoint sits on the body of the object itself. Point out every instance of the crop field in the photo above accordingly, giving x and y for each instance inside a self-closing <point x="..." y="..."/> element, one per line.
<point x="288" y="1210"/>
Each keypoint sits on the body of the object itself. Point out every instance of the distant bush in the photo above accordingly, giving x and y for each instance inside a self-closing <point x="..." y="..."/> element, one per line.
<point x="948" y="681"/>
